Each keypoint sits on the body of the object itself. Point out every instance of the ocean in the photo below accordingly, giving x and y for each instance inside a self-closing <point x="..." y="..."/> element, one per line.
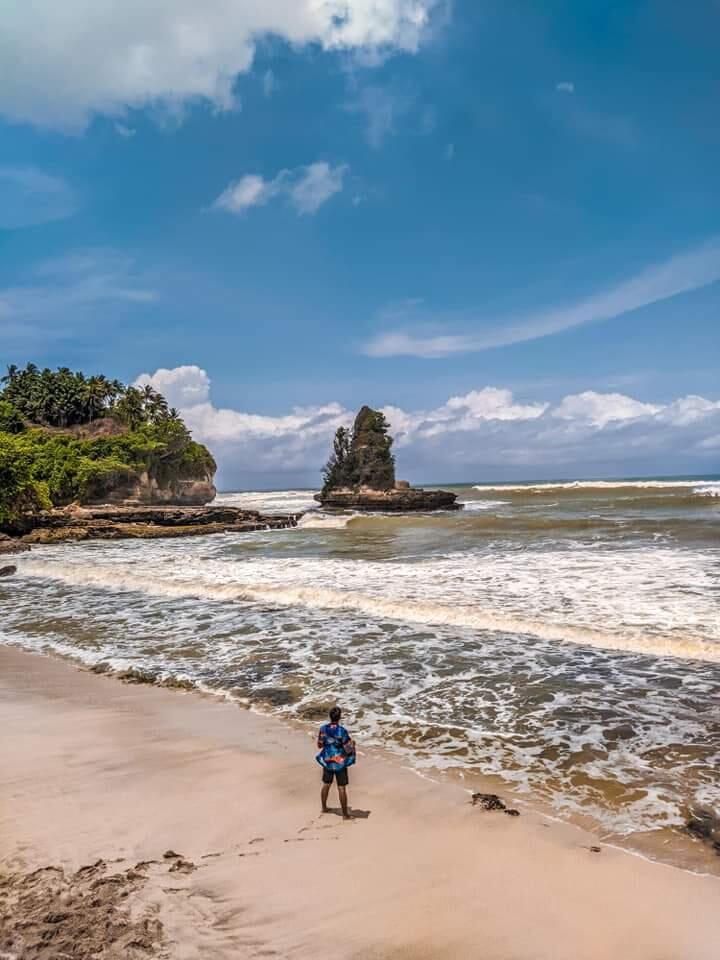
<point x="557" y="641"/>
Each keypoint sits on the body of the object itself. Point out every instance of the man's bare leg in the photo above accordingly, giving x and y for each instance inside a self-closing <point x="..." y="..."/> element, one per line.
<point x="344" y="803"/>
<point x="324" y="797"/>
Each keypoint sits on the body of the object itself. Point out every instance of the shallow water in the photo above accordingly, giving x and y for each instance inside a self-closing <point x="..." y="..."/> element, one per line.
<point x="564" y="638"/>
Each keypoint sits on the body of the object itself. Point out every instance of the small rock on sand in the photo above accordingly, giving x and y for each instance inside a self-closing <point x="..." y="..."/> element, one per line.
<point x="488" y="801"/>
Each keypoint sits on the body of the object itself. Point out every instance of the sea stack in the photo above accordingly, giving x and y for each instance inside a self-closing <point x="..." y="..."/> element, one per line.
<point x="360" y="474"/>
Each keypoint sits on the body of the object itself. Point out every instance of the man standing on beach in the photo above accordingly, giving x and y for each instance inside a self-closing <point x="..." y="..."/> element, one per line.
<point x="337" y="753"/>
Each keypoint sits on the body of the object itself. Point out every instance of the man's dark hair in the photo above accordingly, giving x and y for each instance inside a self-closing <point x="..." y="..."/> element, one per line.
<point x="335" y="715"/>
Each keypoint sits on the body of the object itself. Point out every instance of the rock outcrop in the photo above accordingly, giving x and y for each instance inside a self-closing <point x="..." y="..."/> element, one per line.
<point x="400" y="500"/>
<point x="360" y="474"/>
<point x="8" y="545"/>
<point x="109" y="522"/>
<point x="145" y="489"/>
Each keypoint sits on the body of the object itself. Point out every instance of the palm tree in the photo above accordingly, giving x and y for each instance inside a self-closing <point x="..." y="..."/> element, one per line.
<point x="12" y="372"/>
<point x="130" y="408"/>
<point x="97" y="391"/>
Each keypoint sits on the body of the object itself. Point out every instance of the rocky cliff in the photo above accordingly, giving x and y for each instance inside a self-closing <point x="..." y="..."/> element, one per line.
<point x="146" y="489"/>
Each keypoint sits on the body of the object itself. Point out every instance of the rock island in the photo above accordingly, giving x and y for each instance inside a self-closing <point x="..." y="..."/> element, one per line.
<point x="360" y="474"/>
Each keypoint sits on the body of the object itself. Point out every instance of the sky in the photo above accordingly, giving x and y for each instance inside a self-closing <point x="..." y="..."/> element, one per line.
<point x="497" y="220"/>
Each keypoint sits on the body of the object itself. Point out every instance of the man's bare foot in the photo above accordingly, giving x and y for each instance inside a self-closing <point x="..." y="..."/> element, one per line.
<point x="325" y="810"/>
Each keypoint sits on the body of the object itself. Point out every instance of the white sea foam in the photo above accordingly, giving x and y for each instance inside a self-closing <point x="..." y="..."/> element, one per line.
<point x="476" y="506"/>
<point x="316" y="520"/>
<point x="269" y="501"/>
<point x="709" y="487"/>
<point x="554" y="594"/>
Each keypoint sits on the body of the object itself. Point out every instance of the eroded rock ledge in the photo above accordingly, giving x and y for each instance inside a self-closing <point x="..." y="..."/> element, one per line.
<point x="399" y="500"/>
<point x="114" y="523"/>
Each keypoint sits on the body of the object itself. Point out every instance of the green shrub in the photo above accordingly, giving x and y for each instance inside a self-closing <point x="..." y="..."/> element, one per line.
<point x="10" y="419"/>
<point x="16" y="479"/>
<point x="42" y="467"/>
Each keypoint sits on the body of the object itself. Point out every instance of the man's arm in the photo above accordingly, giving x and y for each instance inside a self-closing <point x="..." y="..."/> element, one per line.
<point x="321" y="739"/>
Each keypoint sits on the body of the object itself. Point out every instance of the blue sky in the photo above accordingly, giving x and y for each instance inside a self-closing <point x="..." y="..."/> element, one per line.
<point x="404" y="202"/>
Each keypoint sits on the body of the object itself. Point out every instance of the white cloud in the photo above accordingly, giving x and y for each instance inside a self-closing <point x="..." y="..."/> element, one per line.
<point x="600" y="409"/>
<point x="183" y="387"/>
<point x="249" y="191"/>
<point x="680" y="274"/>
<point x="317" y="184"/>
<point x="63" y="62"/>
<point x="485" y="429"/>
<point x="306" y="188"/>
<point x="565" y="86"/>
<point x="29" y="196"/>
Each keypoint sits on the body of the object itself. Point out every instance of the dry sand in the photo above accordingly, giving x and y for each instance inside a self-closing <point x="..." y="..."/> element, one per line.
<point x="100" y="779"/>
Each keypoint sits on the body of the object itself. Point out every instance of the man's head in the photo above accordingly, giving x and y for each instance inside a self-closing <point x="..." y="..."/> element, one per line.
<point x="335" y="715"/>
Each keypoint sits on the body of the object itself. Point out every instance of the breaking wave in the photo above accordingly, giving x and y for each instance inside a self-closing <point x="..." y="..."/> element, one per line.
<point x="699" y="487"/>
<point x="119" y="577"/>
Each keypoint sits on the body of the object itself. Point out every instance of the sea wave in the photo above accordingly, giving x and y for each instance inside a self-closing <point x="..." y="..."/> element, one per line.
<point x="268" y="501"/>
<point x="120" y="577"/>
<point x="316" y="520"/>
<point x="700" y="487"/>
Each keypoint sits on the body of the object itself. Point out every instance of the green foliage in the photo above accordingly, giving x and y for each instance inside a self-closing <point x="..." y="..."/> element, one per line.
<point x="10" y="419"/>
<point x="336" y="472"/>
<point x="59" y="398"/>
<point x="364" y="457"/>
<point x="15" y="476"/>
<point x="41" y="467"/>
<point x="65" y="398"/>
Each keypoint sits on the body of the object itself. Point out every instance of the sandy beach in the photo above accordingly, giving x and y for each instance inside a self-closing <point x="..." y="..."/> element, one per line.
<point x="152" y="822"/>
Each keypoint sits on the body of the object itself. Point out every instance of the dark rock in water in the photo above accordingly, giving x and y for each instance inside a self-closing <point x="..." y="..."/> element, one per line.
<point x="136" y="675"/>
<point x="8" y="545"/>
<point x="404" y="500"/>
<point x="108" y="522"/>
<point x="512" y="813"/>
<point x="177" y="683"/>
<point x="488" y="801"/>
<point x="183" y="866"/>
<point x="704" y="824"/>
<point x="8" y="571"/>
<point x="595" y="849"/>
<point x="171" y="855"/>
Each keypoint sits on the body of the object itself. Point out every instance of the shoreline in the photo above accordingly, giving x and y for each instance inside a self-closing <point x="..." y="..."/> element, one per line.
<point x="668" y="847"/>
<point x="95" y="769"/>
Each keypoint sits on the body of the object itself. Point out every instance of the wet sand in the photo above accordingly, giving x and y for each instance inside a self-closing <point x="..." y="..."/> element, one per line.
<point x="180" y="826"/>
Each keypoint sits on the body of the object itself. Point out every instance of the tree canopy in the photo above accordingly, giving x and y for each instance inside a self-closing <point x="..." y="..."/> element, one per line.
<point x="44" y="461"/>
<point x="66" y="398"/>
<point x="362" y="457"/>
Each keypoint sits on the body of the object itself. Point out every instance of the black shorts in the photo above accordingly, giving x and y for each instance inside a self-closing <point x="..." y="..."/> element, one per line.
<point x="341" y="776"/>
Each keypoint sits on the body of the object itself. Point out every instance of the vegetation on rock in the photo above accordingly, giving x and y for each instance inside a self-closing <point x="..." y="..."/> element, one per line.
<point x="361" y="457"/>
<point x="49" y="458"/>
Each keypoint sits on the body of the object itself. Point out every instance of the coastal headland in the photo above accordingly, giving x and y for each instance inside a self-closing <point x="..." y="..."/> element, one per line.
<point x="154" y="822"/>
